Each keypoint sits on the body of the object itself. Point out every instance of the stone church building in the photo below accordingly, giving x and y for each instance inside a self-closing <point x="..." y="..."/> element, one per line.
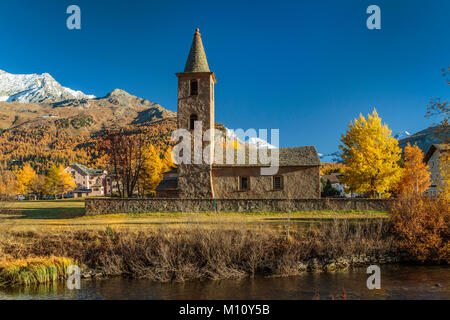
<point x="298" y="176"/>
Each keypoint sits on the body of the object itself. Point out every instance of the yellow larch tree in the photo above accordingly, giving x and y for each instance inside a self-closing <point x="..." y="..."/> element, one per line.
<point x="371" y="156"/>
<point x="167" y="161"/>
<point x="416" y="175"/>
<point x="7" y="182"/>
<point x="59" y="181"/>
<point x="331" y="167"/>
<point x="67" y="181"/>
<point x="151" y="172"/>
<point x="25" y="177"/>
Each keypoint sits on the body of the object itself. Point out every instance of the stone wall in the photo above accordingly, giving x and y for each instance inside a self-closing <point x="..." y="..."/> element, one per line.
<point x="101" y="206"/>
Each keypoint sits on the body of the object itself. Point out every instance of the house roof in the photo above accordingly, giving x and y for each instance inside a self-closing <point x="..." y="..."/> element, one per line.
<point x="197" y="61"/>
<point x="441" y="147"/>
<point x="288" y="157"/>
<point x="169" y="183"/>
<point x="333" y="178"/>
<point x="87" y="171"/>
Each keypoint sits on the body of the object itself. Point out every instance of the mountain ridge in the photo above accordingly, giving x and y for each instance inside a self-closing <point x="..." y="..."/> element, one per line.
<point x="35" y="88"/>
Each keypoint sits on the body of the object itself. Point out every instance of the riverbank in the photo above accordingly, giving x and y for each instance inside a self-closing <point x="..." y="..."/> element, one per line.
<point x="198" y="252"/>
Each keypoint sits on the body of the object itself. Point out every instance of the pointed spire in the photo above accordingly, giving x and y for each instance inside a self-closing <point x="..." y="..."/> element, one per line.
<point x="196" y="61"/>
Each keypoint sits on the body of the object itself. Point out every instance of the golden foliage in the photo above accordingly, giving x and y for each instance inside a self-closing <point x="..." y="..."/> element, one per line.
<point x="416" y="175"/>
<point x="150" y="174"/>
<point x="59" y="181"/>
<point x="371" y="157"/>
<point x="168" y="160"/>
<point x="331" y="167"/>
<point x="7" y="182"/>
<point x="25" y="177"/>
<point x="423" y="227"/>
<point x="47" y="145"/>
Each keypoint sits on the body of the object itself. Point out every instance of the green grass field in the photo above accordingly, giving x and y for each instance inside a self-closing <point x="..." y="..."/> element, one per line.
<point x="69" y="214"/>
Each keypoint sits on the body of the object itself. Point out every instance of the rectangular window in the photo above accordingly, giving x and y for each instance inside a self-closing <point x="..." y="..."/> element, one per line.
<point x="277" y="183"/>
<point x="194" y="88"/>
<point x="244" y="183"/>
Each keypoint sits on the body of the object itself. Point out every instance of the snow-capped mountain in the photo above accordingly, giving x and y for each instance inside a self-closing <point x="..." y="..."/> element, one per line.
<point x="260" y="143"/>
<point x="253" y="141"/>
<point x="402" y="135"/>
<point x="27" y="88"/>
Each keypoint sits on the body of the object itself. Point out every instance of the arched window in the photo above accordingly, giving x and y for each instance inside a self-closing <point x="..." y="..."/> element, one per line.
<point x="192" y="120"/>
<point x="194" y="88"/>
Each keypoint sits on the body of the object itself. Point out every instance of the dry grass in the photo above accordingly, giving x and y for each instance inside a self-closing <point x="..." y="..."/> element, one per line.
<point x="33" y="270"/>
<point x="196" y="252"/>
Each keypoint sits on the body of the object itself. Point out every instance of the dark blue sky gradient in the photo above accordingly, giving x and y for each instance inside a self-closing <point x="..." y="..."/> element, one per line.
<point x="305" y="67"/>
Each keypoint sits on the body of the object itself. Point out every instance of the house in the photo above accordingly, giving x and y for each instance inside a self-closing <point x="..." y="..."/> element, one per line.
<point x="90" y="182"/>
<point x="434" y="161"/>
<point x="298" y="174"/>
<point x="335" y="182"/>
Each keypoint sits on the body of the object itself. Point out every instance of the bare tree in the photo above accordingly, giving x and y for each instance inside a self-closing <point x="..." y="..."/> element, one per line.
<point x="124" y="150"/>
<point x="441" y="109"/>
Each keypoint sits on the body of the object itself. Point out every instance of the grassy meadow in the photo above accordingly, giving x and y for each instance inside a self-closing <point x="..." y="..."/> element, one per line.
<point x="68" y="214"/>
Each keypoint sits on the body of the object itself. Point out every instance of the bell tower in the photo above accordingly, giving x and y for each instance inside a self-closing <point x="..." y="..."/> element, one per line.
<point x="195" y="110"/>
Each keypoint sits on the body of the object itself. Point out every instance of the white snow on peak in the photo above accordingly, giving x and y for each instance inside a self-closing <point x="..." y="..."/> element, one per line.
<point x="26" y="88"/>
<point x="261" y="143"/>
<point x="402" y="135"/>
<point x="254" y="141"/>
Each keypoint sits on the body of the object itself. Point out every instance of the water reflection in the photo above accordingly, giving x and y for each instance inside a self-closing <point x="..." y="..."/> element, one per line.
<point x="397" y="282"/>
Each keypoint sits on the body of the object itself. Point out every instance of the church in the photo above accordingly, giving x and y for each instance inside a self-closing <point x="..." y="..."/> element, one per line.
<point x="298" y="174"/>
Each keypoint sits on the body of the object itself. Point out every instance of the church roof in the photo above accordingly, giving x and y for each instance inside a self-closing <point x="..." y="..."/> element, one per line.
<point x="288" y="157"/>
<point x="196" y="61"/>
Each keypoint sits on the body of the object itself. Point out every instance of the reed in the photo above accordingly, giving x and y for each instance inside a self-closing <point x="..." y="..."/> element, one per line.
<point x="33" y="270"/>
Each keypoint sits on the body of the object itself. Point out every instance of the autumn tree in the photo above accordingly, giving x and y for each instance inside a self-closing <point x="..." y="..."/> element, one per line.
<point x="331" y="167"/>
<point x="441" y="109"/>
<point x="125" y="153"/>
<point x="371" y="156"/>
<point x="38" y="186"/>
<point x="167" y="161"/>
<point x="59" y="181"/>
<point x="151" y="173"/>
<point x="415" y="178"/>
<point x="25" y="177"/>
<point x="7" y="183"/>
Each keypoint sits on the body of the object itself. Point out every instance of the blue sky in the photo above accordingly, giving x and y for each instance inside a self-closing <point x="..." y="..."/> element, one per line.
<point x="305" y="67"/>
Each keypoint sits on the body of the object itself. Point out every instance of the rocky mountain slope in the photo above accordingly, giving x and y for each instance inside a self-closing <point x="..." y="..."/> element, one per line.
<point x="27" y="88"/>
<point x="117" y="109"/>
<point x="43" y="123"/>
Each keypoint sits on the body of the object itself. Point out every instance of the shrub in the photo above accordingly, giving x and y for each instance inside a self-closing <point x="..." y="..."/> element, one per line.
<point x="422" y="228"/>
